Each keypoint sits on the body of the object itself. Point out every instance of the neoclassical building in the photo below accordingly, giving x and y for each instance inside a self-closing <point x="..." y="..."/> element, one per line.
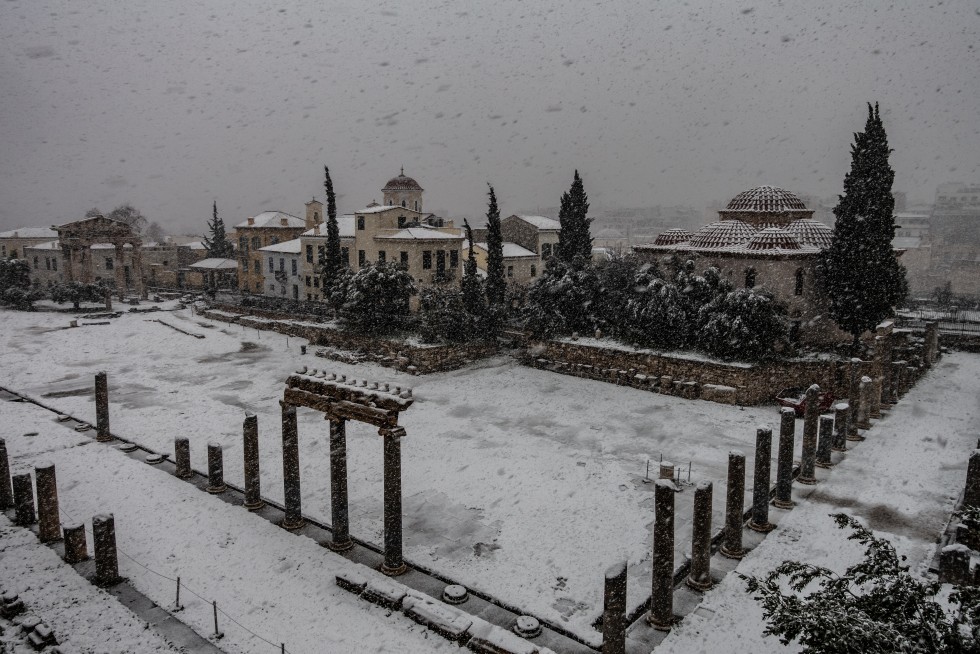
<point x="765" y="238"/>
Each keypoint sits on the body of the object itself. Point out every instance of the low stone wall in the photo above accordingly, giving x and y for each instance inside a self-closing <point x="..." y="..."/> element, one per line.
<point x="416" y="359"/>
<point x="728" y="383"/>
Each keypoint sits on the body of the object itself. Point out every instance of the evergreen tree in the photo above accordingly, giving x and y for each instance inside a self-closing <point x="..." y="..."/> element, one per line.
<point x="377" y="298"/>
<point x="472" y="288"/>
<point x="496" y="284"/>
<point x="330" y="263"/>
<point x="861" y="274"/>
<point x="744" y="324"/>
<point x="574" y="239"/>
<point x="218" y="245"/>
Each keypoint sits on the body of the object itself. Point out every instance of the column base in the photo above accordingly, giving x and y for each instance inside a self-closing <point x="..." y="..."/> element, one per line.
<point x="855" y="438"/>
<point x="865" y="426"/>
<point x="104" y="439"/>
<point x="821" y="464"/>
<point x="108" y="583"/>
<point x="782" y="504"/>
<point x="838" y="449"/>
<point x="292" y="525"/>
<point x="731" y="554"/>
<point x="698" y="585"/>
<point x="254" y="506"/>
<point x="217" y="490"/>
<point x="763" y="528"/>
<point x="338" y="547"/>
<point x="806" y="481"/>
<point x="393" y="572"/>
<point x="658" y="625"/>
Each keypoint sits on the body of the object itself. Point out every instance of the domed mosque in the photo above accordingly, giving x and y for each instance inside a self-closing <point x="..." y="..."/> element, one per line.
<point x="765" y="238"/>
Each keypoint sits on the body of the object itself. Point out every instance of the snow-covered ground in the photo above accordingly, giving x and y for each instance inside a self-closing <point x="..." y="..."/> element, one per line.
<point x="518" y="482"/>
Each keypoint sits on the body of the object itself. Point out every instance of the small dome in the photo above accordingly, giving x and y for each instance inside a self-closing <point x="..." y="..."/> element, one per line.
<point x="766" y="199"/>
<point x="722" y="234"/>
<point x="673" y="237"/>
<point x="811" y="232"/>
<point x="402" y="183"/>
<point x="773" y="238"/>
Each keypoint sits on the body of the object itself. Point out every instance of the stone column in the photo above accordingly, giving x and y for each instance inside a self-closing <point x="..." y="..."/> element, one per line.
<point x="49" y="520"/>
<point x="393" y="564"/>
<point x="76" y="548"/>
<point x="700" y="575"/>
<point x="808" y="458"/>
<point x="900" y="377"/>
<point x="106" y="557"/>
<point x="182" y="457"/>
<point x="138" y="271"/>
<point x="216" y="469"/>
<point x="119" y="271"/>
<point x="88" y="271"/>
<point x="971" y="495"/>
<point x="6" y="492"/>
<point x="68" y="253"/>
<point x="661" y="615"/>
<point x="339" y="516"/>
<point x="784" y="464"/>
<point x="842" y="412"/>
<point x="24" y="500"/>
<point x="864" y="408"/>
<point x="760" y="485"/>
<point x="250" y="452"/>
<point x="290" y="470"/>
<point x="614" y="610"/>
<point x="734" y="506"/>
<point x="854" y="397"/>
<point x="107" y="298"/>
<point x="825" y="442"/>
<point x="102" y="407"/>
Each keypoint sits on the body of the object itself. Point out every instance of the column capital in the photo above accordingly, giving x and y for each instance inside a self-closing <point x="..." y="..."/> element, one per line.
<point x="396" y="431"/>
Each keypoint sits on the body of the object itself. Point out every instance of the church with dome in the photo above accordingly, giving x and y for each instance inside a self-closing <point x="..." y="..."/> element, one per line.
<point x="765" y="238"/>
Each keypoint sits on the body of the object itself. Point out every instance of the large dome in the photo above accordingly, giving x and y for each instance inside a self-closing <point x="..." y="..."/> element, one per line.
<point x="765" y="206"/>
<point x="673" y="237"/>
<point x="811" y="232"/>
<point x="722" y="234"/>
<point x="402" y="183"/>
<point x="773" y="238"/>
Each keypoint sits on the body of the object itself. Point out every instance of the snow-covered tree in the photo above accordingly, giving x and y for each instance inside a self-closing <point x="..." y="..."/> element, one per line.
<point x="473" y="298"/>
<point x="376" y="298"/>
<point x="574" y="238"/>
<point x="127" y="213"/>
<point x="655" y="316"/>
<point x="15" y="285"/>
<point x="875" y="606"/>
<point x="77" y="292"/>
<point x="496" y="285"/>
<point x="744" y="324"/>
<point x="443" y="317"/>
<point x="860" y="272"/>
<point x="330" y="263"/>
<point x="617" y="286"/>
<point x="217" y="243"/>
<point x="562" y="301"/>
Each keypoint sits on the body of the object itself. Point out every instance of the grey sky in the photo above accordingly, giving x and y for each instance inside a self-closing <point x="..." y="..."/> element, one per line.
<point x="169" y="105"/>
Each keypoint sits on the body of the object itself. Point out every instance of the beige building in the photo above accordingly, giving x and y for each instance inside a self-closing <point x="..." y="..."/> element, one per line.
<point x="766" y="238"/>
<point x="314" y="245"/>
<point x="13" y="242"/>
<point x="521" y="266"/>
<point x="535" y="233"/>
<point x="267" y="228"/>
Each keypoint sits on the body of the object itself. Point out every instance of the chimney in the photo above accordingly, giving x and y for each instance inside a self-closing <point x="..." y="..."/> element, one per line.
<point x="251" y="220"/>
<point x="284" y="221"/>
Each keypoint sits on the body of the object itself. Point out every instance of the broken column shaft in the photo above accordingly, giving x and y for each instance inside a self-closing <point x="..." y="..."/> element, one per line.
<point x="614" y="610"/>
<point x="182" y="457"/>
<point x="106" y="557"/>
<point x="784" y="464"/>
<point x="102" y="407"/>
<point x="700" y="575"/>
<point x="6" y="491"/>
<point x="661" y="615"/>
<point x="760" y="485"/>
<point x="864" y="408"/>
<point x="76" y="548"/>
<point x="290" y="469"/>
<point x="808" y="457"/>
<point x="339" y="512"/>
<point x="216" y="469"/>
<point x="393" y="564"/>
<point x="250" y="454"/>
<point x="842" y="413"/>
<point x="734" y="506"/>
<point x="825" y="442"/>
<point x="24" y="500"/>
<point x="49" y="520"/>
<point x="971" y="495"/>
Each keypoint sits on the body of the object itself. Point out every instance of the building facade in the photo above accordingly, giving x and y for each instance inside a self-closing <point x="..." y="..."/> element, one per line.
<point x="265" y="229"/>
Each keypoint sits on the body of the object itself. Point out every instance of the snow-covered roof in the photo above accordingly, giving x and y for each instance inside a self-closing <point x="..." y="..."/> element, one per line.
<point x="197" y="245"/>
<point x="420" y="234"/>
<point x="766" y="199"/>
<point x="906" y="242"/>
<point x="541" y="222"/>
<point x="215" y="264"/>
<point x="30" y="232"/>
<point x="50" y="245"/>
<point x="345" y="225"/>
<point x="511" y="250"/>
<point x="286" y="247"/>
<point x="386" y="207"/>
<point x="272" y="219"/>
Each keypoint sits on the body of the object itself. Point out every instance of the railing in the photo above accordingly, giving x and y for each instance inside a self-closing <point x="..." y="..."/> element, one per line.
<point x="950" y="322"/>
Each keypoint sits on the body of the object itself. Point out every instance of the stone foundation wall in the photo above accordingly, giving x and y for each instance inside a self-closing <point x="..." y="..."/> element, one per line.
<point x="395" y="354"/>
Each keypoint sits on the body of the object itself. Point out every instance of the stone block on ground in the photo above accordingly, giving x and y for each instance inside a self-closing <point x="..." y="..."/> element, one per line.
<point x="447" y="621"/>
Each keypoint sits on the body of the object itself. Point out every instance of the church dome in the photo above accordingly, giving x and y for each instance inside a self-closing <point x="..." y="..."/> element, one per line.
<point x="402" y="183"/>
<point x="773" y="238"/>
<point x="673" y="237"/>
<point x="722" y="234"/>
<point x="767" y="199"/>
<point x="811" y="232"/>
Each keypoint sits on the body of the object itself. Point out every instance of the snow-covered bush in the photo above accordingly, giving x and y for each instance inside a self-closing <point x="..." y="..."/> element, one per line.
<point x="743" y="324"/>
<point x="15" y="285"/>
<point x="443" y="318"/>
<point x="376" y="298"/>
<point x="655" y="317"/>
<point x="561" y="302"/>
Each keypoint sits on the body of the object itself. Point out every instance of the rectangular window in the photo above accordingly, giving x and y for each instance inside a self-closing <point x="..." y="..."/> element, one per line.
<point x="272" y="264"/>
<point x="258" y="287"/>
<point x="426" y="259"/>
<point x="440" y="261"/>
<point x="316" y="282"/>
<point x="360" y="222"/>
<point x="309" y="254"/>
<point x="382" y="256"/>
<point x="309" y="282"/>
<point x="36" y="263"/>
<point x="47" y="263"/>
<point x="534" y="270"/>
<point x="403" y="257"/>
<point x="510" y="271"/>
<point x="292" y="263"/>
<point x="108" y="263"/>
<point x="345" y="256"/>
<point x="454" y="258"/>
<point x="54" y="264"/>
<point x="257" y="267"/>
<point x="361" y="259"/>
<point x="274" y="240"/>
<point x="321" y="252"/>
<point x="243" y="245"/>
<point x="256" y="242"/>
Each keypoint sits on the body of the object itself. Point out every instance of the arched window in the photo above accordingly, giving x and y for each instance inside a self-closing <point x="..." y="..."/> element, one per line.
<point x="416" y="205"/>
<point x="403" y="204"/>
<point x="316" y="217"/>
<point x="799" y="281"/>
<point x="749" y="277"/>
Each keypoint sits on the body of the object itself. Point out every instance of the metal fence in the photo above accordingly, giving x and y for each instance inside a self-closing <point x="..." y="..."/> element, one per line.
<point x="950" y="322"/>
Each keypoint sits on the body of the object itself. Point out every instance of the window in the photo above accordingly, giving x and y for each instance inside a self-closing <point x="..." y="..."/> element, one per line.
<point x="47" y="263"/>
<point x="272" y="264"/>
<point x="440" y="261"/>
<point x="36" y="263"/>
<point x="545" y="250"/>
<point x="274" y="240"/>
<point x="426" y="259"/>
<point x="258" y="266"/>
<point x="403" y="257"/>
<point x="316" y="282"/>
<point x="54" y="264"/>
<point x="321" y="252"/>
<point x="799" y="281"/>
<point x="401" y="221"/>
<point x="454" y="258"/>
<point x="403" y="204"/>
<point x="258" y="287"/>
<point x="416" y="205"/>
<point x="108" y="263"/>
<point x="292" y="265"/>
<point x="360" y="222"/>
<point x="295" y="292"/>
<point x="361" y="259"/>
<point x="316" y="217"/>
<point x="256" y="242"/>
<point x="309" y="254"/>
<point x="345" y="256"/>
<point x="510" y="271"/>
<point x="749" y="277"/>
<point x="166" y="262"/>
<point x="309" y="282"/>
<point x="282" y="264"/>
<point x="534" y="270"/>
<point x="382" y="256"/>
<point x="243" y="244"/>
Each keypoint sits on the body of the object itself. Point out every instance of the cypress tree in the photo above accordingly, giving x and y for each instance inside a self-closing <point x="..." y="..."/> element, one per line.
<point x="574" y="239"/>
<point x="861" y="274"/>
<point x="496" y="284"/>
<point x="218" y="245"/>
<point x="471" y="288"/>
<point x="330" y="263"/>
